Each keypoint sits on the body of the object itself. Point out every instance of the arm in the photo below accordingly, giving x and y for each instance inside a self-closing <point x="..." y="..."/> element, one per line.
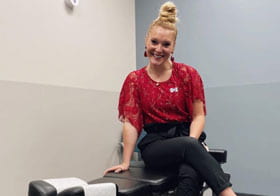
<point x="130" y="114"/>
<point x="198" y="122"/>
<point x="130" y="136"/>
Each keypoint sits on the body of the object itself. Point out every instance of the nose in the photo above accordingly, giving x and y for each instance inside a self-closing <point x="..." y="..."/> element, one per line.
<point x="159" y="48"/>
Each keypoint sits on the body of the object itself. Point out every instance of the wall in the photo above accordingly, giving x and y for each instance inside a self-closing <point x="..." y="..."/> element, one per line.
<point x="234" y="46"/>
<point x="60" y="74"/>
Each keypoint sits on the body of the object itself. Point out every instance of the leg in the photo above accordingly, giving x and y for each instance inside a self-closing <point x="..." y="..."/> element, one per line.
<point x="190" y="182"/>
<point x="187" y="150"/>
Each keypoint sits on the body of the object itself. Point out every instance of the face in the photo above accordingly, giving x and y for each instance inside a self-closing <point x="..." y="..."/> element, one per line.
<point x="160" y="44"/>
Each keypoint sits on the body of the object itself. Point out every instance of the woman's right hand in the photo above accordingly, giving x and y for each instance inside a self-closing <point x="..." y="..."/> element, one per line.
<point x="117" y="168"/>
<point x="129" y="140"/>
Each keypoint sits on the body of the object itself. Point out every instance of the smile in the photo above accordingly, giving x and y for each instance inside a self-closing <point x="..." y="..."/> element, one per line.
<point x="158" y="56"/>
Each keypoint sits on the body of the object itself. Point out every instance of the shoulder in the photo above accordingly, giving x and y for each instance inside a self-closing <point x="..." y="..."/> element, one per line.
<point x="185" y="71"/>
<point x="181" y="67"/>
<point x="135" y="75"/>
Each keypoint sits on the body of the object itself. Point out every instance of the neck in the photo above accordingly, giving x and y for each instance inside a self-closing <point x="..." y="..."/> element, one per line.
<point x="158" y="69"/>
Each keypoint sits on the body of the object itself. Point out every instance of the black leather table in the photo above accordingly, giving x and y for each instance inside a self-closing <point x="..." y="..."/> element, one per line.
<point x="137" y="181"/>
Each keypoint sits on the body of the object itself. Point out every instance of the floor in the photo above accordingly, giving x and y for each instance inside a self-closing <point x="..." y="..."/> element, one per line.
<point x="245" y="194"/>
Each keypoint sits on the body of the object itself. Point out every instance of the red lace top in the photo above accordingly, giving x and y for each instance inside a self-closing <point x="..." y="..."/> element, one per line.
<point x="143" y="101"/>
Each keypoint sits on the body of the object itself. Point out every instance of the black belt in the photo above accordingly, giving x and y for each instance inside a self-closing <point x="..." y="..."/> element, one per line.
<point x="161" y="131"/>
<point x="174" y="128"/>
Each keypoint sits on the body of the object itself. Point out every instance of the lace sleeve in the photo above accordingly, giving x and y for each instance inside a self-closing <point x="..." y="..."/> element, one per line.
<point x="129" y="103"/>
<point x="193" y="86"/>
<point x="197" y="89"/>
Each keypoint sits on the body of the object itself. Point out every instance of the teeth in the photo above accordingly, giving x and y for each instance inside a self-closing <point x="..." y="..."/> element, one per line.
<point x="158" y="56"/>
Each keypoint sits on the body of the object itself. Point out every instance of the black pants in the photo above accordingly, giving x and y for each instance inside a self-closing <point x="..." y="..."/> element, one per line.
<point x="171" y="147"/>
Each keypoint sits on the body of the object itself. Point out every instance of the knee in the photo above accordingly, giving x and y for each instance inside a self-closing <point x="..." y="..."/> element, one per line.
<point x="191" y="146"/>
<point x="191" y="142"/>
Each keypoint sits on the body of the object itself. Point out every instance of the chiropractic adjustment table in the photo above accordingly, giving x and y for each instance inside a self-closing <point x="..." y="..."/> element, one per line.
<point x="137" y="181"/>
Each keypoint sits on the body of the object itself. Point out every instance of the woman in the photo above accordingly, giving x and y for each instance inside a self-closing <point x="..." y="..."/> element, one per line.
<point x="166" y="98"/>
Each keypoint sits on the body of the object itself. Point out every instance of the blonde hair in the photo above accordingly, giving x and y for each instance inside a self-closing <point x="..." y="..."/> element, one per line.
<point x="167" y="18"/>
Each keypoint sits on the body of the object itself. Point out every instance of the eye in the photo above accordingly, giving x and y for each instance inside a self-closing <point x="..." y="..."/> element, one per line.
<point x="154" y="41"/>
<point x="166" y="44"/>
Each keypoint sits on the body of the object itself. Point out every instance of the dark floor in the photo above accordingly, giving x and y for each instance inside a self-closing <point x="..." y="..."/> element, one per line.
<point x="245" y="194"/>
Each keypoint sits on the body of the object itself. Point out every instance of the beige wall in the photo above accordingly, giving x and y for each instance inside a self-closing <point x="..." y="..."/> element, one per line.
<point x="60" y="74"/>
<point x="43" y="42"/>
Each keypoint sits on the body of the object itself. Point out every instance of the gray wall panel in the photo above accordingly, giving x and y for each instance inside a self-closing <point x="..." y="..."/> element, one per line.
<point x="230" y="42"/>
<point x="234" y="46"/>
<point x="245" y="121"/>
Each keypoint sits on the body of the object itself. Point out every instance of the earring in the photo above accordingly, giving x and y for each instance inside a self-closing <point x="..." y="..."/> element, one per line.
<point x="145" y="52"/>
<point x="172" y="57"/>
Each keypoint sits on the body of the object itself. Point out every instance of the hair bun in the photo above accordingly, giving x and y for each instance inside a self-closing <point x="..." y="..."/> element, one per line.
<point x="168" y="12"/>
<point x="167" y="18"/>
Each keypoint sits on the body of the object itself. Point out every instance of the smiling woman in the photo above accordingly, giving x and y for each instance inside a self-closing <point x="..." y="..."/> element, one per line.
<point x="160" y="42"/>
<point x="160" y="45"/>
<point x="166" y="98"/>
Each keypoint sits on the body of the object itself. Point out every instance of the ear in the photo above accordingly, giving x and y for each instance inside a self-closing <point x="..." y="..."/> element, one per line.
<point x="146" y="38"/>
<point x="174" y="46"/>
